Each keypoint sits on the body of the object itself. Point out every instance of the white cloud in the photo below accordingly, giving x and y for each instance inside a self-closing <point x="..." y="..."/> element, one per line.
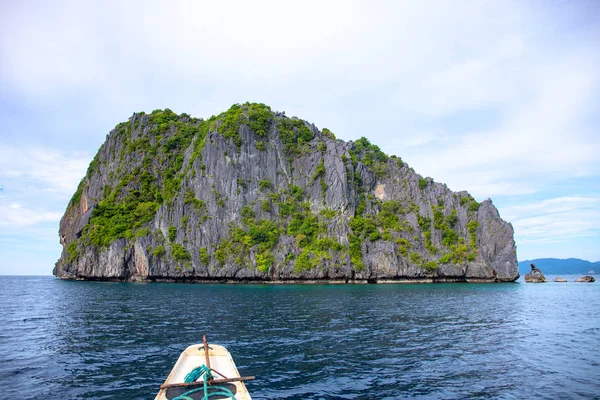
<point x="112" y="47"/>
<point x="472" y="82"/>
<point x="14" y="215"/>
<point x="29" y="249"/>
<point x="543" y="138"/>
<point x="554" y="220"/>
<point x="49" y="171"/>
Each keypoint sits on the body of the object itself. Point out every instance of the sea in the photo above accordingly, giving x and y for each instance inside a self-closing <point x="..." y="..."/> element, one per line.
<point x="101" y="340"/>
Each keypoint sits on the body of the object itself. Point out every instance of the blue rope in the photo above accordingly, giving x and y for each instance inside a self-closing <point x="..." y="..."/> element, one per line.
<point x="194" y="375"/>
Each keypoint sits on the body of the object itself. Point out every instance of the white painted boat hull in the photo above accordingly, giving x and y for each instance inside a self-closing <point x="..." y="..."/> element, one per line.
<point x="193" y="357"/>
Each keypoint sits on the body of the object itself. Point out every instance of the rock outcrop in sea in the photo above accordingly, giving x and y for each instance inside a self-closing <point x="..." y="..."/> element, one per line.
<point x="586" y="278"/>
<point x="535" y="275"/>
<point x="253" y="195"/>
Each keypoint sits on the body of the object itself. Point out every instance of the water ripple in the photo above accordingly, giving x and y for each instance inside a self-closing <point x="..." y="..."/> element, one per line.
<point x="117" y="340"/>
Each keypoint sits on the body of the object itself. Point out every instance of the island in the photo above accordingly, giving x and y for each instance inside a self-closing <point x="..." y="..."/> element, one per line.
<point x="252" y="195"/>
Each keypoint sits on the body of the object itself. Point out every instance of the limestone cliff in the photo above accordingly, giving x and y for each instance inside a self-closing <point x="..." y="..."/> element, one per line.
<point x="252" y="195"/>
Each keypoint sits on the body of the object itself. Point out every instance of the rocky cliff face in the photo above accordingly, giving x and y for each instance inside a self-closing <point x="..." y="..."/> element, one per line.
<point x="252" y="195"/>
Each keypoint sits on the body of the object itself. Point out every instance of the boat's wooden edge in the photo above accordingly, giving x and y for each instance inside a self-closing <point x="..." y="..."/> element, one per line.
<point x="212" y="382"/>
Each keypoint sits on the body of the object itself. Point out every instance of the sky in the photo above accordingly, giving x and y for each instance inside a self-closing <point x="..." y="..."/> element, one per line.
<point x="500" y="98"/>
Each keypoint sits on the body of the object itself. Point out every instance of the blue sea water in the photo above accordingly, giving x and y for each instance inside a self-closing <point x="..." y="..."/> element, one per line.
<point x="78" y="340"/>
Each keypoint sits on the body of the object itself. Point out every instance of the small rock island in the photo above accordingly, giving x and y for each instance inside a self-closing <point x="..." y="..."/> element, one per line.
<point x="251" y="195"/>
<point x="535" y="275"/>
<point x="586" y="278"/>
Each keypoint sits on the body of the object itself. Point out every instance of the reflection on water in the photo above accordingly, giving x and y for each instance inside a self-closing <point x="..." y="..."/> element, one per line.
<point x="65" y="339"/>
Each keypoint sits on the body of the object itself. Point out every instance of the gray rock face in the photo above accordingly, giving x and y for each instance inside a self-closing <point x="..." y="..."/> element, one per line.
<point x="252" y="195"/>
<point x="586" y="278"/>
<point x="535" y="275"/>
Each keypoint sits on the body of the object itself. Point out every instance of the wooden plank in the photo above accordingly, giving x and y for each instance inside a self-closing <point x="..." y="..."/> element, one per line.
<point x="213" y="382"/>
<point x="206" y="351"/>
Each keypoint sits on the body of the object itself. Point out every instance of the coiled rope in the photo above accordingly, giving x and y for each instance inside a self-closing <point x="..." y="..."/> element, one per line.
<point x="197" y="373"/>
